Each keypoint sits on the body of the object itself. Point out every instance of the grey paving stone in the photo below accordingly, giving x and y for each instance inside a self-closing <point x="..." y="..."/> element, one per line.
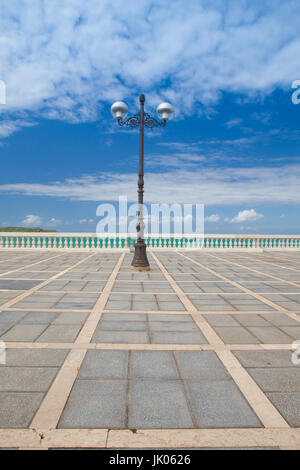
<point x="145" y="306"/>
<point x="18" y="409"/>
<point x="221" y="320"/>
<point x="172" y="326"/>
<point x="169" y="317"/>
<point x="8" y="316"/>
<point x="280" y="319"/>
<point x="174" y="337"/>
<point x="292" y="331"/>
<point x="248" y="319"/>
<point x="118" y="305"/>
<point x="279" y="379"/>
<point x="165" y="306"/>
<point x="70" y="318"/>
<point x="287" y="404"/>
<point x="152" y="364"/>
<point x="127" y="337"/>
<point x="104" y="365"/>
<point x="18" y="284"/>
<point x="264" y="358"/>
<point x="4" y="327"/>
<point x="124" y="317"/>
<point x="200" y="365"/>
<point x="35" y="357"/>
<point x="26" y="379"/>
<point x="23" y="333"/>
<point x="39" y="318"/>
<point x="270" y="335"/>
<point x="74" y="305"/>
<point x="220" y="404"/>
<point x="96" y="404"/>
<point x="122" y="325"/>
<point x="59" y="334"/>
<point x="235" y="335"/>
<point x="158" y="404"/>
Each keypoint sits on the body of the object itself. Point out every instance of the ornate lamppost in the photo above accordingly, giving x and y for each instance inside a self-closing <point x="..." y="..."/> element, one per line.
<point x="119" y="110"/>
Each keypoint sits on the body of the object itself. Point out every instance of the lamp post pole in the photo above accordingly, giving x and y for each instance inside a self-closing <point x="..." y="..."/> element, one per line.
<point x="140" y="260"/>
<point x="119" y="110"/>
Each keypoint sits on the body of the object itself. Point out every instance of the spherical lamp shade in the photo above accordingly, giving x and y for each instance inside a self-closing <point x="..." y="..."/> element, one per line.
<point x="119" y="109"/>
<point x="164" y="111"/>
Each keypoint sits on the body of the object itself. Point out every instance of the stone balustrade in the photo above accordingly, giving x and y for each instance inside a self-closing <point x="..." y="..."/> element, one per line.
<point x="88" y="241"/>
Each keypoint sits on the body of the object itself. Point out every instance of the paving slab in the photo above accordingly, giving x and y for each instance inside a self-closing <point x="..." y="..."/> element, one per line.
<point x="26" y="379"/>
<point x="280" y="319"/>
<point x="122" y="325"/>
<point x="220" y="404"/>
<point x="24" y="333"/>
<point x="124" y="317"/>
<point x="60" y="334"/>
<point x="265" y="358"/>
<point x="39" y="318"/>
<point x="157" y="404"/>
<point x="18" y="409"/>
<point x="70" y="318"/>
<point x="96" y="404"/>
<point x="174" y="337"/>
<point x="287" y="403"/>
<point x="200" y="365"/>
<point x="129" y="337"/>
<point x="270" y="335"/>
<point x="152" y="364"/>
<point x="11" y="316"/>
<point x="104" y="365"/>
<point x="35" y="357"/>
<point x="235" y="335"/>
<point x="221" y="320"/>
<point x="279" y="379"/>
<point x="292" y="331"/>
<point x="18" y="284"/>
<point x="172" y="326"/>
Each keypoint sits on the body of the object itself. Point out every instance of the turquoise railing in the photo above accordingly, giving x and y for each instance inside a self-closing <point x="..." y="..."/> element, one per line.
<point x="92" y="241"/>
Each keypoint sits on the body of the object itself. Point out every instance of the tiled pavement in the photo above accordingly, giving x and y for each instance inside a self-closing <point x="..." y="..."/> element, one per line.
<point x="98" y="355"/>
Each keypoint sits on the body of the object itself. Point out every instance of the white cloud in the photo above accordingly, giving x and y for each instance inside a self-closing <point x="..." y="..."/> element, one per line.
<point x="53" y="222"/>
<point x="207" y="185"/>
<point x="8" y="127"/>
<point x="86" y="221"/>
<point x="212" y="218"/>
<point x="67" y="60"/>
<point x="246" y="215"/>
<point x="233" y="122"/>
<point x="32" y="221"/>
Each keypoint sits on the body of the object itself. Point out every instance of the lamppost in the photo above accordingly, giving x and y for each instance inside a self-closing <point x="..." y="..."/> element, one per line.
<point x="119" y="110"/>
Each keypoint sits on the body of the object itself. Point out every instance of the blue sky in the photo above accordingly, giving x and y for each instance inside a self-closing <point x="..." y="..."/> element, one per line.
<point x="226" y="66"/>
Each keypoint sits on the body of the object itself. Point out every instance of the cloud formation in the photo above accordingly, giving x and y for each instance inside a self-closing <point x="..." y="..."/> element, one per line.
<point x="67" y="60"/>
<point x="246" y="216"/>
<point x="210" y="186"/>
<point x="32" y="220"/>
<point x="212" y="218"/>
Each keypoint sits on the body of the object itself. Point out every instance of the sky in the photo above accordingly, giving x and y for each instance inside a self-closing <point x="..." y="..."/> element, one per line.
<point x="227" y="66"/>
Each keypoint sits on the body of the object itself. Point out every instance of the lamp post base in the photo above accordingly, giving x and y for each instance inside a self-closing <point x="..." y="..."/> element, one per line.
<point x="140" y="261"/>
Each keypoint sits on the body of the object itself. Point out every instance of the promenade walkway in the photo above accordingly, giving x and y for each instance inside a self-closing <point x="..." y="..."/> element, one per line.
<point x="196" y="353"/>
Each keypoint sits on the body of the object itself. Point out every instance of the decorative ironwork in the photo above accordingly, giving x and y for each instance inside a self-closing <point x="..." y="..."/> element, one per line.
<point x="151" y="122"/>
<point x="135" y="121"/>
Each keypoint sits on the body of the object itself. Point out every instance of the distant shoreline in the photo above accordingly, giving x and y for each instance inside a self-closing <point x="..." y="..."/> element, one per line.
<point x="24" y="229"/>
